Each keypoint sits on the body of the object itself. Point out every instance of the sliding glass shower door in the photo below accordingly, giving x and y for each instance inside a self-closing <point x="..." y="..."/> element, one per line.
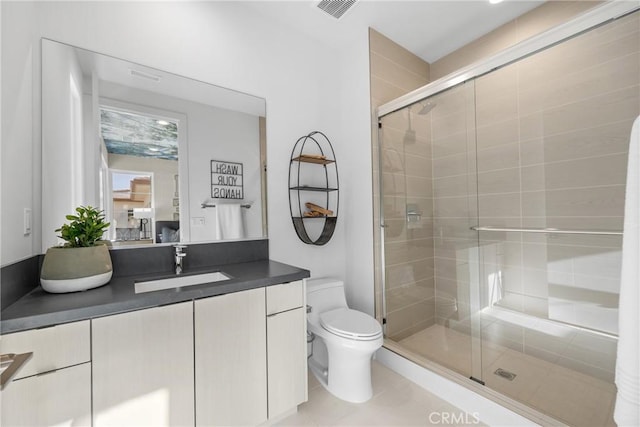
<point x="552" y="145"/>
<point x="502" y="209"/>
<point x="429" y="204"/>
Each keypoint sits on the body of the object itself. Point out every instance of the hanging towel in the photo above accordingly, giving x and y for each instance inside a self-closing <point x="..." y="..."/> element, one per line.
<point x="627" y="409"/>
<point x="229" y="223"/>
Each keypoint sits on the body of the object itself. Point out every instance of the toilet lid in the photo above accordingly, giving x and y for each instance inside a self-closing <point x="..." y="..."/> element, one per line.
<point x="350" y="324"/>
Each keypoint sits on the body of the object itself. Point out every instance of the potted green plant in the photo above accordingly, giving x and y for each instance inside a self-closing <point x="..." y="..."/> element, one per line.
<point x="83" y="262"/>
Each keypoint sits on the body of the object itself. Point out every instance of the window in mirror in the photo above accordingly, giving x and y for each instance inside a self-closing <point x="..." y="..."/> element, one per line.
<point x="132" y="206"/>
<point x="141" y="151"/>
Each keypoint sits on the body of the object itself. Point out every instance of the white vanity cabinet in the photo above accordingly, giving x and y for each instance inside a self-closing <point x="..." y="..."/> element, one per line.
<point x="286" y="347"/>
<point x="250" y="355"/>
<point x="230" y="359"/>
<point x="143" y="367"/>
<point x="53" y="387"/>
<point x="237" y="359"/>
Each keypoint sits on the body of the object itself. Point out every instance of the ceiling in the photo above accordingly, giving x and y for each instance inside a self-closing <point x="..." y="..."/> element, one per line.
<point x="430" y="29"/>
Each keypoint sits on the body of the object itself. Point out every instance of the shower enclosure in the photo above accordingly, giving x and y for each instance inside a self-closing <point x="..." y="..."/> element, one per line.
<point x="502" y="204"/>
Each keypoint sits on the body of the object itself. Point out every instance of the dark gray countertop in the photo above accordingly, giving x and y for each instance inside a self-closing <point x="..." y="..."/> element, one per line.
<point x="40" y="309"/>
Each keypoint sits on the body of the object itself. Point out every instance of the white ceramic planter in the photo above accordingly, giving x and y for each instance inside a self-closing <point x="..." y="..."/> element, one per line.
<point x="75" y="269"/>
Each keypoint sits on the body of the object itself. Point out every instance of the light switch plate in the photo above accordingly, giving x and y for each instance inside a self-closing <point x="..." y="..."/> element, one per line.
<point x="27" y="221"/>
<point x="197" y="221"/>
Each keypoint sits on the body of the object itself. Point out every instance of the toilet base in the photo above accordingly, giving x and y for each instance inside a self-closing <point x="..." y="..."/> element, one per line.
<point x="349" y="379"/>
<point x="320" y="372"/>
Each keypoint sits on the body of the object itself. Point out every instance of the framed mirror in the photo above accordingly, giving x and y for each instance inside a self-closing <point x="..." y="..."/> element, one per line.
<point x="167" y="158"/>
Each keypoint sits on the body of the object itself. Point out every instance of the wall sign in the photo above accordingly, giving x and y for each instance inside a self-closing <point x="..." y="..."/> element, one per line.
<point x="226" y="180"/>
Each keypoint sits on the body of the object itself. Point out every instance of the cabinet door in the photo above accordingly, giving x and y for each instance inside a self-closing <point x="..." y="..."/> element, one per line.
<point x="230" y="345"/>
<point x="143" y="367"/>
<point x="286" y="360"/>
<point x="57" y="398"/>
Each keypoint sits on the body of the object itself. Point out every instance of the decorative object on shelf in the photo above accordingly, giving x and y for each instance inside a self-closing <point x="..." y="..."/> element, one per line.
<point x="313" y="191"/>
<point x="226" y="180"/>
<point x="315" y="210"/>
<point x="84" y="261"/>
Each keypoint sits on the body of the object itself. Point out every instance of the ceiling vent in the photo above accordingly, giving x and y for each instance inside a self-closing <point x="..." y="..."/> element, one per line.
<point x="144" y="75"/>
<point x="336" y="8"/>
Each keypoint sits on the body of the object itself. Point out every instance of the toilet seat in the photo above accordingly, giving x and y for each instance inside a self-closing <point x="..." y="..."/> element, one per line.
<point x="351" y="324"/>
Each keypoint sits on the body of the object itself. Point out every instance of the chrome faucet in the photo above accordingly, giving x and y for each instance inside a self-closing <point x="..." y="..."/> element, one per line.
<point x="178" y="257"/>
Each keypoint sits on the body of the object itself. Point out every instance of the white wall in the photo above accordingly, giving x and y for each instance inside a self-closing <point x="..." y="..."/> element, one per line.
<point x="356" y="175"/>
<point x="228" y="136"/>
<point x="92" y="145"/>
<point x="217" y="42"/>
<point x="58" y="152"/>
<point x="1" y="139"/>
<point x="20" y="123"/>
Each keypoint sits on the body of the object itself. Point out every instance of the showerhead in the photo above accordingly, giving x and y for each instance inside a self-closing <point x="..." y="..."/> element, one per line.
<point x="426" y="107"/>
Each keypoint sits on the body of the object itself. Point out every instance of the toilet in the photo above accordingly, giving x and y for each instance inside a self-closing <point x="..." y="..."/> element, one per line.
<point x="341" y="342"/>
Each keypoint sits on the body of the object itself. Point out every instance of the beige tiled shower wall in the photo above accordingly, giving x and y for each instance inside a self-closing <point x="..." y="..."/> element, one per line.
<point x="553" y="136"/>
<point x="408" y="206"/>
<point x="406" y="176"/>
<point x="394" y="72"/>
<point x="455" y="204"/>
<point x="542" y="18"/>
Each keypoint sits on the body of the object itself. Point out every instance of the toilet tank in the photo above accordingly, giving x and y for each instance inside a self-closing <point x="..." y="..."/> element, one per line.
<point x="325" y="294"/>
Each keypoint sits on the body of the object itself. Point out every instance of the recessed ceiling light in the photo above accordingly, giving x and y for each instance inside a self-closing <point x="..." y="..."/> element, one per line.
<point x="495" y="1"/>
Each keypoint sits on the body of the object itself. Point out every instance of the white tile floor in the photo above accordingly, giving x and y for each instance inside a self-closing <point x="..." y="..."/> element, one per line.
<point x="396" y="401"/>
<point x="565" y="394"/>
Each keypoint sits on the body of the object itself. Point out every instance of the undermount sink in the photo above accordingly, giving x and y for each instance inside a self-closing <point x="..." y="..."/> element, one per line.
<point x="179" y="281"/>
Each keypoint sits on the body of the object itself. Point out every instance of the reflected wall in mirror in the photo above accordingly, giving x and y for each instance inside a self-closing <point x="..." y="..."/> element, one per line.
<point x="137" y="143"/>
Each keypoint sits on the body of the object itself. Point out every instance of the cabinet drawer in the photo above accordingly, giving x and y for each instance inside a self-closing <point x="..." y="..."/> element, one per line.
<point x="53" y="348"/>
<point x="60" y="398"/>
<point x="285" y="297"/>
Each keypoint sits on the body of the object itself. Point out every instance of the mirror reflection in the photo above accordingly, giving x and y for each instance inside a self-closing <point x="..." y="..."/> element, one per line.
<point x="167" y="158"/>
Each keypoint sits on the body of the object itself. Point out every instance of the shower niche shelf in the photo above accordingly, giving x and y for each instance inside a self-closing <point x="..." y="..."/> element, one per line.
<point x="313" y="188"/>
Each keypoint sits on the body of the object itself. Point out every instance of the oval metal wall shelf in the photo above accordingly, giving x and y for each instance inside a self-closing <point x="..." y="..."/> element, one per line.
<point x="315" y="142"/>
